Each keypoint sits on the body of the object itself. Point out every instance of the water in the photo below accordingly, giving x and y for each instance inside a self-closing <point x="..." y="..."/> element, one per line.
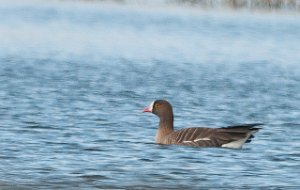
<point x="74" y="78"/>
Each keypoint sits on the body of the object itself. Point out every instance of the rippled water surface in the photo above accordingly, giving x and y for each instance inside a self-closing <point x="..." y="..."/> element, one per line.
<point x="74" y="78"/>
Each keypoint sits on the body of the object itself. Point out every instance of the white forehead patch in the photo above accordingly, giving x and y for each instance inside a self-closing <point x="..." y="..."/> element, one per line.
<point x="151" y="105"/>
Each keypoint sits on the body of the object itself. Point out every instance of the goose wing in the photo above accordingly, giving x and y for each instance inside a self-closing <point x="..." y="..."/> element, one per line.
<point x="214" y="137"/>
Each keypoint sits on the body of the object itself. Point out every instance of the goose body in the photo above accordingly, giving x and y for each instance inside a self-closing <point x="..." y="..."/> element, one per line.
<point x="228" y="137"/>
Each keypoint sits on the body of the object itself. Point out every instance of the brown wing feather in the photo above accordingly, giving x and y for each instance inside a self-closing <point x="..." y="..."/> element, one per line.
<point x="192" y="136"/>
<point x="210" y="137"/>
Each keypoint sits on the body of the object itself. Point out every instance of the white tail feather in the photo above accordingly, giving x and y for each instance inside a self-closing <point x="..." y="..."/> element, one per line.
<point x="238" y="143"/>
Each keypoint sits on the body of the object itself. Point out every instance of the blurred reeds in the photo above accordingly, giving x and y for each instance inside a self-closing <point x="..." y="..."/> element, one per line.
<point x="244" y="4"/>
<point x="287" y="5"/>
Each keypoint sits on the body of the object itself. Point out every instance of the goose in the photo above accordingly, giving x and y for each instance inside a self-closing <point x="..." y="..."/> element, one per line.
<point x="234" y="136"/>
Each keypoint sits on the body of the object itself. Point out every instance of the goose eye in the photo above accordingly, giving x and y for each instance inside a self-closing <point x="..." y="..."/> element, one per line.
<point x="157" y="106"/>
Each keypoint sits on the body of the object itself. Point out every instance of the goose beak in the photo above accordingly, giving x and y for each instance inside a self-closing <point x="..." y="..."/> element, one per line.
<point x="147" y="109"/>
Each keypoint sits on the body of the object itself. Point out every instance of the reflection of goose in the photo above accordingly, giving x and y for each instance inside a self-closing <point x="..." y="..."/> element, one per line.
<point x="229" y="137"/>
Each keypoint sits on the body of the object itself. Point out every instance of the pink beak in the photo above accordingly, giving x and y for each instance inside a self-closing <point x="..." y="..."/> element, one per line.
<point x="147" y="109"/>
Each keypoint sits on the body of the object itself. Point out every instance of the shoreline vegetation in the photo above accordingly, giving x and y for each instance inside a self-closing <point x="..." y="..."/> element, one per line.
<point x="265" y="5"/>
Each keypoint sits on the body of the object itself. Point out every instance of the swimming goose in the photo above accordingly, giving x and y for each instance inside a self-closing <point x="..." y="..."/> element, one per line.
<point x="228" y="137"/>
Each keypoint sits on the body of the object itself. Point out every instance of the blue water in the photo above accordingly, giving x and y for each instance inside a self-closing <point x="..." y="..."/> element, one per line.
<point x="75" y="76"/>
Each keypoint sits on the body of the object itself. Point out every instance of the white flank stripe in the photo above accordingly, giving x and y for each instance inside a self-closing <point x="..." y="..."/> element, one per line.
<point x="202" y="139"/>
<point x="196" y="140"/>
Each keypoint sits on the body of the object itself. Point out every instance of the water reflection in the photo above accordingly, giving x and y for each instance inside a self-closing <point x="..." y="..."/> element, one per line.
<point x="74" y="77"/>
